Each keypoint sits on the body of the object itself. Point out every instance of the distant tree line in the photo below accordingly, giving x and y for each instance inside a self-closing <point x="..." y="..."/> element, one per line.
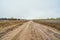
<point x="9" y="19"/>
<point x="54" y="18"/>
<point x="23" y="19"/>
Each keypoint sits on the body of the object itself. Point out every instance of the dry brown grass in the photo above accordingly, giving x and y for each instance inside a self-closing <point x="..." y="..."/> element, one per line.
<point x="52" y="23"/>
<point x="9" y="25"/>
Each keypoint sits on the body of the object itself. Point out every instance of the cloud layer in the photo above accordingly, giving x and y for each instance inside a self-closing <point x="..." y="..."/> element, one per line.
<point x="30" y="8"/>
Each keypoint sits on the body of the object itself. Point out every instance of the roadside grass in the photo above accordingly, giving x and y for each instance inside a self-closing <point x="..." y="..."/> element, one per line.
<point x="52" y="23"/>
<point x="8" y="23"/>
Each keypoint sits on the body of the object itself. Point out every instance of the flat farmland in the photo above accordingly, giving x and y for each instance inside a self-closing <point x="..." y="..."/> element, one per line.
<point x="52" y="23"/>
<point x="9" y="25"/>
<point x="27" y="30"/>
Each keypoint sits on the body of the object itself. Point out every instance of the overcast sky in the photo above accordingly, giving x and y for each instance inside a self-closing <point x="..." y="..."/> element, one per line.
<point x="30" y="8"/>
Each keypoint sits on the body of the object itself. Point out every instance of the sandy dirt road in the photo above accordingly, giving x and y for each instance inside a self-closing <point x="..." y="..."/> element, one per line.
<point x="32" y="31"/>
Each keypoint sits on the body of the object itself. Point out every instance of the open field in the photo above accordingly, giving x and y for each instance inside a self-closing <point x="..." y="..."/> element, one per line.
<point x="52" y="23"/>
<point x="27" y="30"/>
<point x="5" y="23"/>
<point x="9" y="25"/>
